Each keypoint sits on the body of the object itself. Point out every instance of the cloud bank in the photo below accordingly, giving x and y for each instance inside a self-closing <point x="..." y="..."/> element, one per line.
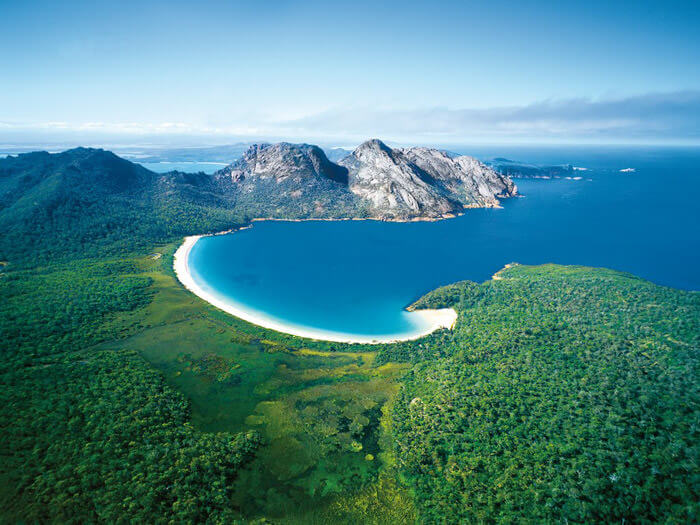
<point x="659" y="117"/>
<point x="652" y="117"/>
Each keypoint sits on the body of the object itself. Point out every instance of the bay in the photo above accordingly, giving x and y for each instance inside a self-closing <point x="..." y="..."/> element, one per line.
<point x="356" y="277"/>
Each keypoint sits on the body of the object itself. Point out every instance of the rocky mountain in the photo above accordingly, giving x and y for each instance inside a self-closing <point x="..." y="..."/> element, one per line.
<point x="475" y="184"/>
<point x="288" y="181"/>
<point x="422" y="182"/>
<point x="395" y="186"/>
<point x="373" y="181"/>
<point x="283" y="161"/>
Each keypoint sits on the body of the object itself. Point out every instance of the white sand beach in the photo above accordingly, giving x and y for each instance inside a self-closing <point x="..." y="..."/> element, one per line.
<point x="430" y="320"/>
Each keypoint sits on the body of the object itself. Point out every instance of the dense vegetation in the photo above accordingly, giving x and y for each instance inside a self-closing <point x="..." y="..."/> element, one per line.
<point x="90" y="434"/>
<point x="86" y="202"/>
<point x="100" y="342"/>
<point x="565" y="394"/>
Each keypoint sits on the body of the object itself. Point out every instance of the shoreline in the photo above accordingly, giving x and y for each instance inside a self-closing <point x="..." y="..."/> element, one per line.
<point x="436" y="218"/>
<point x="432" y="319"/>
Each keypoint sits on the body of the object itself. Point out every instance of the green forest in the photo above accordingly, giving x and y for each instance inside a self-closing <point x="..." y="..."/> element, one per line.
<point x="564" y="394"/>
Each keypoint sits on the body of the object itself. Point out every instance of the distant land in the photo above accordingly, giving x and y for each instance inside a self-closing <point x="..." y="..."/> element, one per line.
<point x="195" y="158"/>
<point x="523" y="170"/>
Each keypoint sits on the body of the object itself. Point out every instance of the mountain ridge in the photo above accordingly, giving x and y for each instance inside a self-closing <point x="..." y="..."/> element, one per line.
<point x="389" y="183"/>
<point x="95" y="194"/>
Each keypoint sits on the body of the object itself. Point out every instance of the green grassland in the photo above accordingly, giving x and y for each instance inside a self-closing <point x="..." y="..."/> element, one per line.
<point x="315" y="415"/>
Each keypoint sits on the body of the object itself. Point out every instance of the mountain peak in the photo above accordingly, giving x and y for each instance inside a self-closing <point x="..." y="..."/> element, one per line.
<point x="284" y="160"/>
<point x="421" y="181"/>
<point x="373" y="145"/>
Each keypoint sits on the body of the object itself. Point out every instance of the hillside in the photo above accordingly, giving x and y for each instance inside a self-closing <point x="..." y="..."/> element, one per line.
<point x="53" y="205"/>
<point x="56" y="204"/>
<point x="564" y="394"/>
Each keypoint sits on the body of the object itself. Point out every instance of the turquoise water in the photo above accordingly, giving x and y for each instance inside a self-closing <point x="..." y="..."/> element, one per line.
<point x="188" y="167"/>
<point x="355" y="277"/>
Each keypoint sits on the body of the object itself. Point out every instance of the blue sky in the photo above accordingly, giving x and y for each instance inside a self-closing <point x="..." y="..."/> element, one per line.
<point x="452" y="72"/>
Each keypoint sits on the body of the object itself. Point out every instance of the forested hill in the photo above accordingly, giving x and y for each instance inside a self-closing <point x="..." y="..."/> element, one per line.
<point x="54" y="205"/>
<point x="92" y="201"/>
<point x="564" y="394"/>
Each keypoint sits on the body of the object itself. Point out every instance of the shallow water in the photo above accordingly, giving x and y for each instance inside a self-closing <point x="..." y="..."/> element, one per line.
<point x="356" y="277"/>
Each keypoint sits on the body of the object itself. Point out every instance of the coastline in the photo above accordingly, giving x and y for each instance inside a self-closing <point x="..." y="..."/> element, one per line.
<point x="497" y="276"/>
<point x="431" y="319"/>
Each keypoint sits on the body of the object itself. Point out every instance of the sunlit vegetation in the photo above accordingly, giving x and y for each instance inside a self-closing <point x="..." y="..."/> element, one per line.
<point x="90" y="434"/>
<point x="565" y="394"/>
<point x="86" y="203"/>
<point x="318" y="412"/>
<point x="99" y="355"/>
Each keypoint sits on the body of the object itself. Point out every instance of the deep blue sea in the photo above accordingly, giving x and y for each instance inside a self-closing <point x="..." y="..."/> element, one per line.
<point x="356" y="277"/>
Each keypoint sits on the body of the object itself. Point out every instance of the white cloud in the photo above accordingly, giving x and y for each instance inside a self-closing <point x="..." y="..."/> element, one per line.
<point x="651" y="117"/>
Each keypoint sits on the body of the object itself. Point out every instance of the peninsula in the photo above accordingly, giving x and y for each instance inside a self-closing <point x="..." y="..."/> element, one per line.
<point x="274" y="181"/>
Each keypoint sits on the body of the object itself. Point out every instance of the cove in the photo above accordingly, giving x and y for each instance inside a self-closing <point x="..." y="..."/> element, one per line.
<point x="355" y="278"/>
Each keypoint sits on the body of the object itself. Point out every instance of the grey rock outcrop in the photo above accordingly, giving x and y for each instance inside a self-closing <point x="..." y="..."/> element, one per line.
<point x="288" y="181"/>
<point x="284" y="160"/>
<point x="394" y="185"/>
<point x="422" y="182"/>
<point x="475" y="184"/>
<point x="373" y="181"/>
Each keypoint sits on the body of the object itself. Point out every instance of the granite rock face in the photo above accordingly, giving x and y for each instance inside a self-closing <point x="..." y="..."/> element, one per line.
<point x="475" y="184"/>
<point x="393" y="184"/>
<point x="422" y="182"/>
<point x="373" y="181"/>
<point x="284" y="160"/>
<point x="288" y="181"/>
